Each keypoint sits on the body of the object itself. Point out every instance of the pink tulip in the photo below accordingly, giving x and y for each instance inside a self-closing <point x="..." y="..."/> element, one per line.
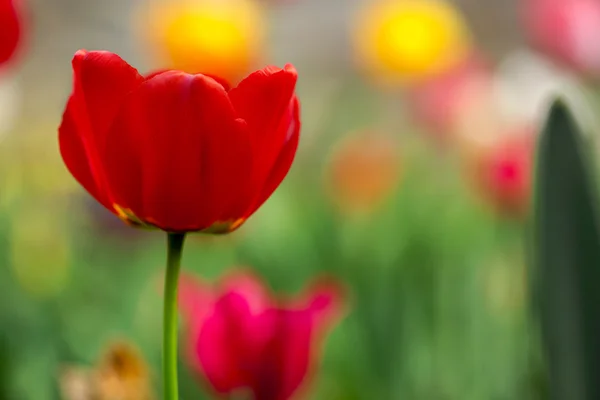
<point x="240" y="337"/>
<point x="503" y="171"/>
<point x="566" y="30"/>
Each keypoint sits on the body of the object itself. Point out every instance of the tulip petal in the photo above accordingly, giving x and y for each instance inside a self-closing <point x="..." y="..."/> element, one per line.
<point x="178" y="156"/>
<point x="101" y="81"/>
<point x="250" y="287"/>
<point x="228" y="359"/>
<point x="263" y="100"/>
<point x="290" y="124"/>
<point x="263" y="97"/>
<point x="74" y="153"/>
<point x="290" y="356"/>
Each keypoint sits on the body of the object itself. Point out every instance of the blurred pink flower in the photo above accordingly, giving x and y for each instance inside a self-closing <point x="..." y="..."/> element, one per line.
<point x="10" y="30"/>
<point x="241" y="337"/>
<point x="438" y="103"/>
<point x="566" y="30"/>
<point x="503" y="172"/>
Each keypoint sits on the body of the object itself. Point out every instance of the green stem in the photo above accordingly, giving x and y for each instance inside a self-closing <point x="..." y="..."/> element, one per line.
<point x="175" y="246"/>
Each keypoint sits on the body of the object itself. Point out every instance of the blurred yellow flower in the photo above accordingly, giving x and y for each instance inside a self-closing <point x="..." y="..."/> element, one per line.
<point x="122" y="373"/>
<point x="216" y="37"/>
<point x="405" y="40"/>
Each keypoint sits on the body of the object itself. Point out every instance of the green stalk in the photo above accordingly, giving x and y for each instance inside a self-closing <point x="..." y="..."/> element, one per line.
<point x="175" y="246"/>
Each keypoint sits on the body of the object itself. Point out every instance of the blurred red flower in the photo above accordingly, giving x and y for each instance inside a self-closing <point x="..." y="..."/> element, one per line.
<point x="177" y="151"/>
<point x="10" y="30"/>
<point x="242" y="338"/>
<point x="503" y="173"/>
<point x="567" y="30"/>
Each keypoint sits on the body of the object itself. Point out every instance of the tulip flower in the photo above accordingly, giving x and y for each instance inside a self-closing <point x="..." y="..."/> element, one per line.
<point x="577" y="21"/>
<point x="178" y="152"/>
<point x="240" y="337"/>
<point x="10" y="30"/>
<point x="407" y="40"/>
<point x="503" y="174"/>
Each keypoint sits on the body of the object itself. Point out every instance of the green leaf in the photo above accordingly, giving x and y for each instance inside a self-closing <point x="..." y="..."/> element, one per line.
<point x="567" y="259"/>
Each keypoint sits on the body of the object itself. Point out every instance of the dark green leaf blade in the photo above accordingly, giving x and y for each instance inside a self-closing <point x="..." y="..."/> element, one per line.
<point x="567" y="259"/>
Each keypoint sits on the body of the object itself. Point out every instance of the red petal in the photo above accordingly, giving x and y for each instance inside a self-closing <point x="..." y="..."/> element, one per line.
<point x="156" y="73"/>
<point x="287" y="357"/>
<point x="101" y="81"/>
<point x="250" y="287"/>
<point x="326" y="300"/>
<point x="221" y="81"/>
<point x="263" y="99"/>
<point x="74" y="153"/>
<point x="290" y="128"/>
<point x="176" y="155"/>
<point x="10" y="31"/>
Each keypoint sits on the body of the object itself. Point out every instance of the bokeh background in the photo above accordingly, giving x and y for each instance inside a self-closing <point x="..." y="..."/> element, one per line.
<point x="411" y="185"/>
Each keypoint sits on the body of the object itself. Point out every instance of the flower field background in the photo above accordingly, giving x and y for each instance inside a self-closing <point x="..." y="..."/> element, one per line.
<point x="410" y="188"/>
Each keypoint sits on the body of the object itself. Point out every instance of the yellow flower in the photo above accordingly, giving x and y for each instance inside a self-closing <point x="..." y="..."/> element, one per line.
<point x="121" y="373"/>
<point x="404" y="40"/>
<point x="217" y="37"/>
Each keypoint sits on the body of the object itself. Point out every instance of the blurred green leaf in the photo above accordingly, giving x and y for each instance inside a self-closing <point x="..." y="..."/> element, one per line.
<point x="567" y="259"/>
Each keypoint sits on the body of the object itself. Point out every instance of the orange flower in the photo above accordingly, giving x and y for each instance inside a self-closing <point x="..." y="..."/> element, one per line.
<point x="364" y="169"/>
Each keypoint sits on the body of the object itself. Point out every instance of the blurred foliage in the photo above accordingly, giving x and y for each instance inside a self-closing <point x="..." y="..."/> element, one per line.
<point x="438" y="279"/>
<point x="438" y="302"/>
<point x="567" y="256"/>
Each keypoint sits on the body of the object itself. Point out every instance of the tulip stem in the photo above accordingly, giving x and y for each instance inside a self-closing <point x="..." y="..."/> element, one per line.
<point x="175" y="246"/>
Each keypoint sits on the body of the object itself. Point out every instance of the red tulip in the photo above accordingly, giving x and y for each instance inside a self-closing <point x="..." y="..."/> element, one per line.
<point x="177" y="151"/>
<point x="10" y="30"/>
<point x="241" y="338"/>
<point x="567" y="30"/>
